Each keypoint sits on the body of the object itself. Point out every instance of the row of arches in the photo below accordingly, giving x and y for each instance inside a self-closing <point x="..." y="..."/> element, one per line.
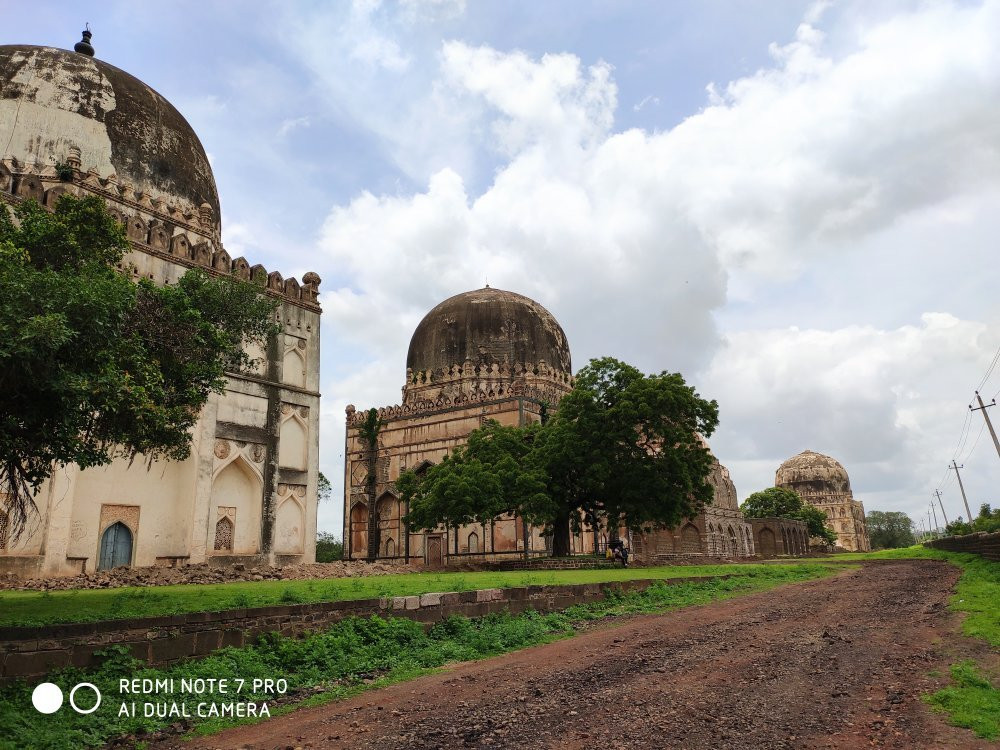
<point x="796" y="541"/>
<point x="783" y="540"/>
<point x="729" y="541"/>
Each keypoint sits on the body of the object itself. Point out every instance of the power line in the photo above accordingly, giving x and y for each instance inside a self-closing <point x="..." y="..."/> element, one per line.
<point x="989" y="371"/>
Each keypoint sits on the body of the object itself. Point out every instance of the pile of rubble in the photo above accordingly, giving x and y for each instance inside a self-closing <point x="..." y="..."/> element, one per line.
<point x="201" y="573"/>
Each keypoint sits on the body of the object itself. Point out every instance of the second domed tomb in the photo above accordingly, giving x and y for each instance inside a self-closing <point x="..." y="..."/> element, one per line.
<point x="823" y="482"/>
<point x="490" y="354"/>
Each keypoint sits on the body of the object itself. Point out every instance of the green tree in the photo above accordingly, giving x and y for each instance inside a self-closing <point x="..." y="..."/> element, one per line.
<point x="889" y="529"/>
<point x="780" y="502"/>
<point x="626" y="447"/>
<point x="329" y="547"/>
<point x="622" y="446"/>
<point x="323" y="488"/>
<point x="492" y="475"/>
<point x="94" y="365"/>
<point x="988" y="520"/>
<point x="774" y="502"/>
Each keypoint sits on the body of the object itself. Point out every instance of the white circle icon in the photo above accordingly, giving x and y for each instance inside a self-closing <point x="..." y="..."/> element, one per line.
<point x="76" y="708"/>
<point x="47" y="698"/>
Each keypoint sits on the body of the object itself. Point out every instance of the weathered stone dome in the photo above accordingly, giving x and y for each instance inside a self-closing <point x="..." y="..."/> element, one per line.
<point x="811" y="473"/>
<point x="488" y="326"/>
<point x="52" y="100"/>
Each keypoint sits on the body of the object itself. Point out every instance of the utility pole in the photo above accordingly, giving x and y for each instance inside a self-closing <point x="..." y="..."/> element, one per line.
<point x="983" y="407"/>
<point x="935" y="516"/>
<point x="945" y="517"/>
<point x="961" y="486"/>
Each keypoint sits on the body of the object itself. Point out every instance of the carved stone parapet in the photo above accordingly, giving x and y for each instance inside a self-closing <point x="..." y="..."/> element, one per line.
<point x="155" y="228"/>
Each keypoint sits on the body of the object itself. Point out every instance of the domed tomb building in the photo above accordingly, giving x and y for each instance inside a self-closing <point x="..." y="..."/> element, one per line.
<point x="489" y="354"/>
<point x="71" y="123"/>
<point x="484" y="354"/>
<point x="823" y="481"/>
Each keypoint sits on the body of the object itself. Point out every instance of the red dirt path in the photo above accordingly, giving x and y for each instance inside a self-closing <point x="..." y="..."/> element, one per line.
<point x="836" y="663"/>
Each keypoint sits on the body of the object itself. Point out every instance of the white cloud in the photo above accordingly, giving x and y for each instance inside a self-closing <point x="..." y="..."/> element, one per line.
<point x="630" y="238"/>
<point x="886" y="403"/>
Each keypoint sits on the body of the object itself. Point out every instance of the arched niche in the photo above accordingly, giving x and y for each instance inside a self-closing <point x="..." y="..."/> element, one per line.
<point x="289" y="527"/>
<point x="766" y="543"/>
<point x="690" y="539"/>
<point x="238" y="486"/>
<point x="293" y="368"/>
<point x="224" y="533"/>
<point x="359" y="530"/>
<point x="293" y="445"/>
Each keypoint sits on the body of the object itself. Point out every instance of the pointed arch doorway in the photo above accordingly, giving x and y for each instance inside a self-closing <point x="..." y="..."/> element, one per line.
<point x="116" y="547"/>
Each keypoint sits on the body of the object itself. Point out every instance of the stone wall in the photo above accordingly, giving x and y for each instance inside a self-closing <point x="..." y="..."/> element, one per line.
<point x="980" y="543"/>
<point x="27" y="652"/>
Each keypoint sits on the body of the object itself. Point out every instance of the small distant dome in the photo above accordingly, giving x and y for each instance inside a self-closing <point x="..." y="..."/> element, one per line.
<point x="57" y="105"/>
<point x="811" y="473"/>
<point x="488" y="326"/>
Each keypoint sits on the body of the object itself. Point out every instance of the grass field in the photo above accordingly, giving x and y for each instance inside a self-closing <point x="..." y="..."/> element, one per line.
<point x="353" y="655"/>
<point x="89" y="605"/>
<point x="972" y="700"/>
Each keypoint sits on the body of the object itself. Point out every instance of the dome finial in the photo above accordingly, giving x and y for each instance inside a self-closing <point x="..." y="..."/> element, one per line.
<point x="84" y="47"/>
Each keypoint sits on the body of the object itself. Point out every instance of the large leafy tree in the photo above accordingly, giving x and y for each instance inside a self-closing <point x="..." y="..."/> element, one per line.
<point x="493" y="474"/>
<point x="780" y="502"/>
<point x="94" y="365"/>
<point x="889" y="529"/>
<point x="626" y="447"/>
<point x="623" y="448"/>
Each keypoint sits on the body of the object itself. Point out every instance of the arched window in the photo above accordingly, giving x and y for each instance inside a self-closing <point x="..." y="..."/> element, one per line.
<point x="390" y="548"/>
<point x="473" y="542"/>
<point x="224" y="534"/>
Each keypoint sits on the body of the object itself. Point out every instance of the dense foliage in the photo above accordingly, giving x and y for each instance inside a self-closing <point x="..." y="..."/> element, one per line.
<point x="94" y="365"/>
<point x="780" y="502"/>
<point x="889" y="529"/>
<point x="493" y="474"/>
<point x="622" y="446"/>
<point x="329" y="547"/>
<point x="988" y="520"/>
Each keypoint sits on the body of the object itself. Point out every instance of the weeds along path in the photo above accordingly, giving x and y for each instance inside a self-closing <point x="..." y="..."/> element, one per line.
<point x="834" y="663"/>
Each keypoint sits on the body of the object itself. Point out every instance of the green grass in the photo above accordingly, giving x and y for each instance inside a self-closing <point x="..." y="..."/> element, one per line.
<point x="351" y="656"/>
<point x="33" y="608"/>
<point x="971" y="701"/>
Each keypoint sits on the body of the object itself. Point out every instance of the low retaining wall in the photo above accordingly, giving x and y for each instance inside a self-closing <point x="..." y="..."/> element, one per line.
<point x="566" y="563"/>
<point x="980" y="543"/>
<point x="35" y="651"/>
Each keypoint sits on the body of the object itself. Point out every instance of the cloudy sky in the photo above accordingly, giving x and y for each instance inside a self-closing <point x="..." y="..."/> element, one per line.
<point x="795" y="204"/>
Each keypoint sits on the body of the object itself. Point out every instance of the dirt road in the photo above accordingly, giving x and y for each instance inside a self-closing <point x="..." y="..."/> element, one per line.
<point x="837" y="663"/>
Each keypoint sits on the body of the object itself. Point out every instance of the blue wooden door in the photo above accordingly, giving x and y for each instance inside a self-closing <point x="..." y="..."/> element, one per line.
<point x="116" y="547"/>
